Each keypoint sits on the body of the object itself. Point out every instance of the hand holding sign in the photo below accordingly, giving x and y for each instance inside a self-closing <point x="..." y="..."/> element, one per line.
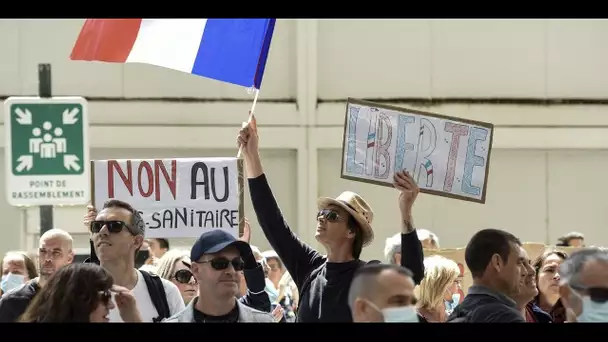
<point x="247" y="141"/>
<point x="409" y="192"/>
<point x="246" y="237"/>
<point x="89" y="217"/>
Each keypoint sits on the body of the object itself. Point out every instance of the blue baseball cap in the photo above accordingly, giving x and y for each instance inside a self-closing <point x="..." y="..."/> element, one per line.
<point x="215" y="241"/>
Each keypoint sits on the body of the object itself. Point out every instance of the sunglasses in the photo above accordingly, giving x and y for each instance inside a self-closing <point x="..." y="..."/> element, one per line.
<point x="183" y="276"/>
<point x="113" y="226"/>
<point x="105" y="297"/>
<point x="597" y="294"/>
<point x="329" y="215"/>
<point x="220" y="264"/>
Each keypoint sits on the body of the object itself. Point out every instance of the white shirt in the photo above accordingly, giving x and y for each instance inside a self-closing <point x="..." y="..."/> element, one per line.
<point x="144" y="301"/>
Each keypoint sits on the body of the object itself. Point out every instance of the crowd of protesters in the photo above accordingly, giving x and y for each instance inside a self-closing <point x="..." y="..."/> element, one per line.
<point x="222" y="278"/>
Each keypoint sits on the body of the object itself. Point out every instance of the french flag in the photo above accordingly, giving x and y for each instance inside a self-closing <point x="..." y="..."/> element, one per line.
<point x="227" y="50"/>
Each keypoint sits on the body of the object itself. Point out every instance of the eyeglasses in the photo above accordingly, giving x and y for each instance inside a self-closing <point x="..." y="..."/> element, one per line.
<point x="113" y="226"/>
<point x="329" y="215"/>
<point x="220" y="264"/>
<point x="184" y="277"/>
<point x="597" y="294"/>
<point x="105" y="296"/>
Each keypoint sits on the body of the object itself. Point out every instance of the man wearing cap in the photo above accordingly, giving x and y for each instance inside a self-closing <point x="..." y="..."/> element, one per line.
<point x="343" y="228"/>
<point x="216" y="258"/>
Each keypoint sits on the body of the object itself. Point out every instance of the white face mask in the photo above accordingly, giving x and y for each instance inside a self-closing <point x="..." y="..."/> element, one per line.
<point x="11" y="281"/>
<point x="593" y="312"/>
<point x="402" y="314"/>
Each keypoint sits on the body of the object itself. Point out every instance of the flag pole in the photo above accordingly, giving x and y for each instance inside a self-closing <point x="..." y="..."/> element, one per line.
<point x="255" y="100"/>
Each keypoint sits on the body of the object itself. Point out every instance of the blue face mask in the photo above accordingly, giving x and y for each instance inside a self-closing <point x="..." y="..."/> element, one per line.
<point x="11" y="281"/>
<point x="455" y="300"/>
<point x="593" y="312"/>
<point x="272" y="292"/>
<point x="451" y="305"/>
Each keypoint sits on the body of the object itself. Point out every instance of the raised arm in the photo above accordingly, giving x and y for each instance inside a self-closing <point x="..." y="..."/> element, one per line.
<point x="412" y="256"/>
<point x="256" y="296"/>
<point x="299" y="258"/>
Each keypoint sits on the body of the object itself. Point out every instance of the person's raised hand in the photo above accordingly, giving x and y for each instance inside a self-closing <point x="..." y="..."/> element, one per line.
<point x="409" y="191"/>
<point x="126" y="304"/>
<point x="246" y="237"/>
<point x="89" y="217"/>
<point x="247" y="140"/>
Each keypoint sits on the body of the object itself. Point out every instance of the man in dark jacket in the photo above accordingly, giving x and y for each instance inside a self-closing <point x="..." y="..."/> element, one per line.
<point x="497" y="263"/>
<point x="54" y="252"/>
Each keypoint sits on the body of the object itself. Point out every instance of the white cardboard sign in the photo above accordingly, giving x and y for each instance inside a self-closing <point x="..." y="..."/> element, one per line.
<point x="178" y="198"/>
<point x="447" y="156"/>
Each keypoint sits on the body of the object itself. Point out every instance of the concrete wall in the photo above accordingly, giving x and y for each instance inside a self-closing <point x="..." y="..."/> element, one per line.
<point x="548" y="165"/>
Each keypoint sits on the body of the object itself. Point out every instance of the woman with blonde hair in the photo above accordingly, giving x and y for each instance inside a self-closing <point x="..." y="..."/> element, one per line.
<point x="173" y="267"/>
<point x="439" y="285"/>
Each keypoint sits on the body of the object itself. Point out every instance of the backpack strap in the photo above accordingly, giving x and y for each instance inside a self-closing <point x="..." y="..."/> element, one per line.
<point x="156" y="289"/>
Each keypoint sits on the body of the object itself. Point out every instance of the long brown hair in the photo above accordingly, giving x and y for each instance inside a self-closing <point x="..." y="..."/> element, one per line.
<point x="70" y="294"/>
<point x="558" y="312"/>
<point x="538" y="263"/>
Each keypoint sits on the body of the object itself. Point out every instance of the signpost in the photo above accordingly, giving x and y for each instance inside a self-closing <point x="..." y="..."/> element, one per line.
<point x="47" y="153"/>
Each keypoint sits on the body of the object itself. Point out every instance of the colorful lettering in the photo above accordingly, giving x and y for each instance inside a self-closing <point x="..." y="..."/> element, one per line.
<point x="457" y="131"/>
<point x="371" y="142"/>
<point x="382" y="146"/>
<point x="127" y="179"/>
<point x="402" y="146"/>
<point x="473" y="160"/>
<point x="426" y="166"/>
<point x="150" y="180"/>
<point x="351" y="164"/>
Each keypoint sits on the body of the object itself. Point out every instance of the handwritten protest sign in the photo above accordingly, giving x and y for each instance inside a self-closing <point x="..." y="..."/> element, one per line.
<point x="446" y="156"/>
<point x="178" y="198"/>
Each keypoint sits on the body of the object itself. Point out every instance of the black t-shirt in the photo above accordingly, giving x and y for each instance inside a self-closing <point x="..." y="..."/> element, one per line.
<point x="231" y="317"/>
<point x="324" y="295"/>
<point x="14" y="303"/>
<point x="328" y="293"/>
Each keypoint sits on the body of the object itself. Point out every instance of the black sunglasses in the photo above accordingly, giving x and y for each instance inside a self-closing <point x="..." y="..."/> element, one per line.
<point x="184" y="277"/>
<point x="105" y="297"/>
<point x="113" y="226"/>
<point x="222" y="263"/>
<point x="597" y="294"/>
<point x="329" y="215"/>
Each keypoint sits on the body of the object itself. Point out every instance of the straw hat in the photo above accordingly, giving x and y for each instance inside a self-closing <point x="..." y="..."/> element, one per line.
<point x="357" y="207"/>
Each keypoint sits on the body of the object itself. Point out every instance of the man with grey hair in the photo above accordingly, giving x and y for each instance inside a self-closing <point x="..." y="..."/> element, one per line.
<point x="392" y="247"/>
<point x="382" y="293"/>
<point x="54" y="252"/>
<point x="584" y="285"/>
<point x="428" y="239"/>
<point x="117" y="233"/>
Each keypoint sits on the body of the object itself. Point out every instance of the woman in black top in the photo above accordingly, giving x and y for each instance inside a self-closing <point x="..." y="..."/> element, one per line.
<point x="343" y="227"/>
